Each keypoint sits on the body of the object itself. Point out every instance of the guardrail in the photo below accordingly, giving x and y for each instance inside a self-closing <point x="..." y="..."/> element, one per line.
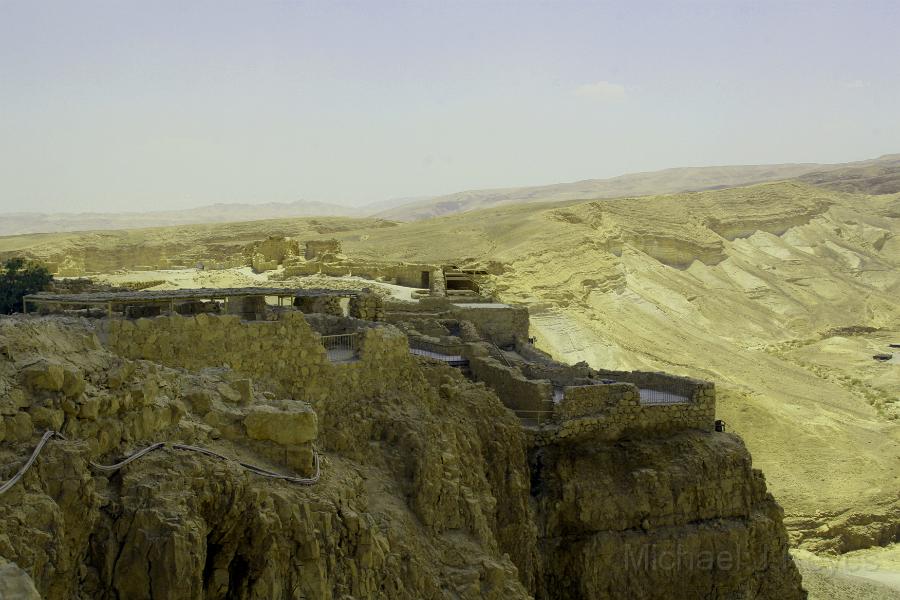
<point x="342" y="347"/>
<point x="665" y="397"/>
<point x="534" y="417"/>
<point x="437" y="347"/>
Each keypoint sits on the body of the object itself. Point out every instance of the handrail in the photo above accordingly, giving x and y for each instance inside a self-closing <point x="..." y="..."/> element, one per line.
<point x="338" y="337"/>
<point x="341" y="347"/>
<point x="502" y="355"/>
<point x="159" y="445"/>
<point x="541" y="416"/>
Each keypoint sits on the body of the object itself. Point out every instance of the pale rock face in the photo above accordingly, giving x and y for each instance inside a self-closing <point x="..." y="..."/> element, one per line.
<point x="15" y="584"/>
<point x="280" y="426"/>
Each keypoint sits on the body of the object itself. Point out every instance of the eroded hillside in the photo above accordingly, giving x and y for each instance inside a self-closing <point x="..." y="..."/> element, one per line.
<point x="779" y="292"/>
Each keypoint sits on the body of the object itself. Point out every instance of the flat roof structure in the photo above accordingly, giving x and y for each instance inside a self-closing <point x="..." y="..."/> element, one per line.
<point x="111" y="299"/>
<point x="481" y="305"/>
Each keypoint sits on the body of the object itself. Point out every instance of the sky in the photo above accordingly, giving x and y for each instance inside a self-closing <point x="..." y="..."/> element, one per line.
<point x="158" y="105"/>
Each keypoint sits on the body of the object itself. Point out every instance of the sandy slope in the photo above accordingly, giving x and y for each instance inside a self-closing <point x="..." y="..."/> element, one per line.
<point x="863" y="575"/>
<point x="741" y="286"/>
<point x="666" y="181"/>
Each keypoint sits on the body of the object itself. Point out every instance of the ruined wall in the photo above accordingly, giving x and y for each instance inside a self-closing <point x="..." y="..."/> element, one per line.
<point x="514" y="389"/>
<point x="611" y="411"/>
<point x="559" y="374"/>
<point x="267" y="254"/>
<point x="409" y="275"/>
<point x="326" y="305"/>
<point x="319" y="249"/>
<point x="368" y="307"/>
<point x="656" y="380"/>
<point x="286" y="354"/>
<point x="301" y="268"/>
<point x="501" y="324"/>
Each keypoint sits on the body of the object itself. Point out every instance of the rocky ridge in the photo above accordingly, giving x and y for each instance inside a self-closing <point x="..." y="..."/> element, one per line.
<point x="430" y="488"/>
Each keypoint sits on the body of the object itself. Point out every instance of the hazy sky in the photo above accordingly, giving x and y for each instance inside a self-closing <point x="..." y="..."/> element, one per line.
<point x="156" y="105"/>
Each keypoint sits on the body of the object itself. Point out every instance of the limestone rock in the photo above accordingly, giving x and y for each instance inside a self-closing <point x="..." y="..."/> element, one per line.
<point x="45" y="375"/>
<point x="15" y="584"/>
<point x="281" y="426"/>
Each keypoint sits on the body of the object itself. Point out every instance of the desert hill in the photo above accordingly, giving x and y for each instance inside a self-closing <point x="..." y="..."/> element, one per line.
<point x="667" y="181"/>
<point x="780" y="292"/>
<point x="31" y="222"/>
<point x="875" y="176"/>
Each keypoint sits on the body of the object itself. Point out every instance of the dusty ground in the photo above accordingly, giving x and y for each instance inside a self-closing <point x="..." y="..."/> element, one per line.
<point x="872" y="574"/>
<point x="245" y="277"/>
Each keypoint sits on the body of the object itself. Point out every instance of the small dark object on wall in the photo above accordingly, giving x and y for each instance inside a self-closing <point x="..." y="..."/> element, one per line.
<point x="883" y="357"/>
<point x="720" y="425"/>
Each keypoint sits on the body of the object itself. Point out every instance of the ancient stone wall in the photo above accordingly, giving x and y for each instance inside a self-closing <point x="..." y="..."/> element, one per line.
<point x="515" y="390"/>
<point x="318" y="249"/>
<point x="502" y="325"/>
<point x="285" y="354"/>
<point x="655" y="380"/>
<point x="559" y="374"/>
<point x="368" y="307"/>
<point x="301" y="268"/>
<point x="326" y="305"/>
<point x="611" y="411"/>
<point x="267" y="254"/>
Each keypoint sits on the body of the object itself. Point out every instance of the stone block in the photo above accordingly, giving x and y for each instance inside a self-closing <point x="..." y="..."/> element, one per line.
<point x="89" y="409"/>
<point x="73" y="383"/>
<point x="47" y="418"/>
<point x="19" y="427"/>
<point x="245" y="388"/>
<point x="45" y="375"/>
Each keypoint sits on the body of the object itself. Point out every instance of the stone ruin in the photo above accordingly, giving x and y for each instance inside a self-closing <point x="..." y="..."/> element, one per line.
<point x="481" y="434"/>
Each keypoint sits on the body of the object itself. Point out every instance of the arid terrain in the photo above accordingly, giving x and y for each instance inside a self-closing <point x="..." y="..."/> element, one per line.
<point x="779" y="292"/>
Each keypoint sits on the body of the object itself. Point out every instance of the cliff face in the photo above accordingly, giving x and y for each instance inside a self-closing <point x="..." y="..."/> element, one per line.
<point x="429" y="488"/>
<point x="683" y="516"/>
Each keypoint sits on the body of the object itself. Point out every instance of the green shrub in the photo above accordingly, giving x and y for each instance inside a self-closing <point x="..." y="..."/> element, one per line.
<point x="18" y="278"/>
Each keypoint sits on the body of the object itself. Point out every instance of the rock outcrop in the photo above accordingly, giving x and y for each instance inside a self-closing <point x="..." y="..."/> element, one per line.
<point x="429" y="487"/>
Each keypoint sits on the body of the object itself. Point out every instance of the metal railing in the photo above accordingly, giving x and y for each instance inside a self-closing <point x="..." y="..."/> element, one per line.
<point x="342" y="347"/>
<point x="502" y="355"/>
<point x="664" y="397"/>
<point x="534" y="418"/>
<point x="436" y="347"/>
<point x="450" y="359"/>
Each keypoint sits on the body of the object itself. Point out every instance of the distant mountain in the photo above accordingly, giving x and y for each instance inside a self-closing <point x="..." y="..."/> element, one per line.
<point x="881" y="176"/>
<point x="22" y="223"/>
<point x="668" y="181"/>
<point x="876" y="176"/>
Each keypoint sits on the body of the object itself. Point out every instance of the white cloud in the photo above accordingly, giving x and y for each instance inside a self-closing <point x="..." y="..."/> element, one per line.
<point x="602" y="91"/>
<point x="856" y="84"/>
